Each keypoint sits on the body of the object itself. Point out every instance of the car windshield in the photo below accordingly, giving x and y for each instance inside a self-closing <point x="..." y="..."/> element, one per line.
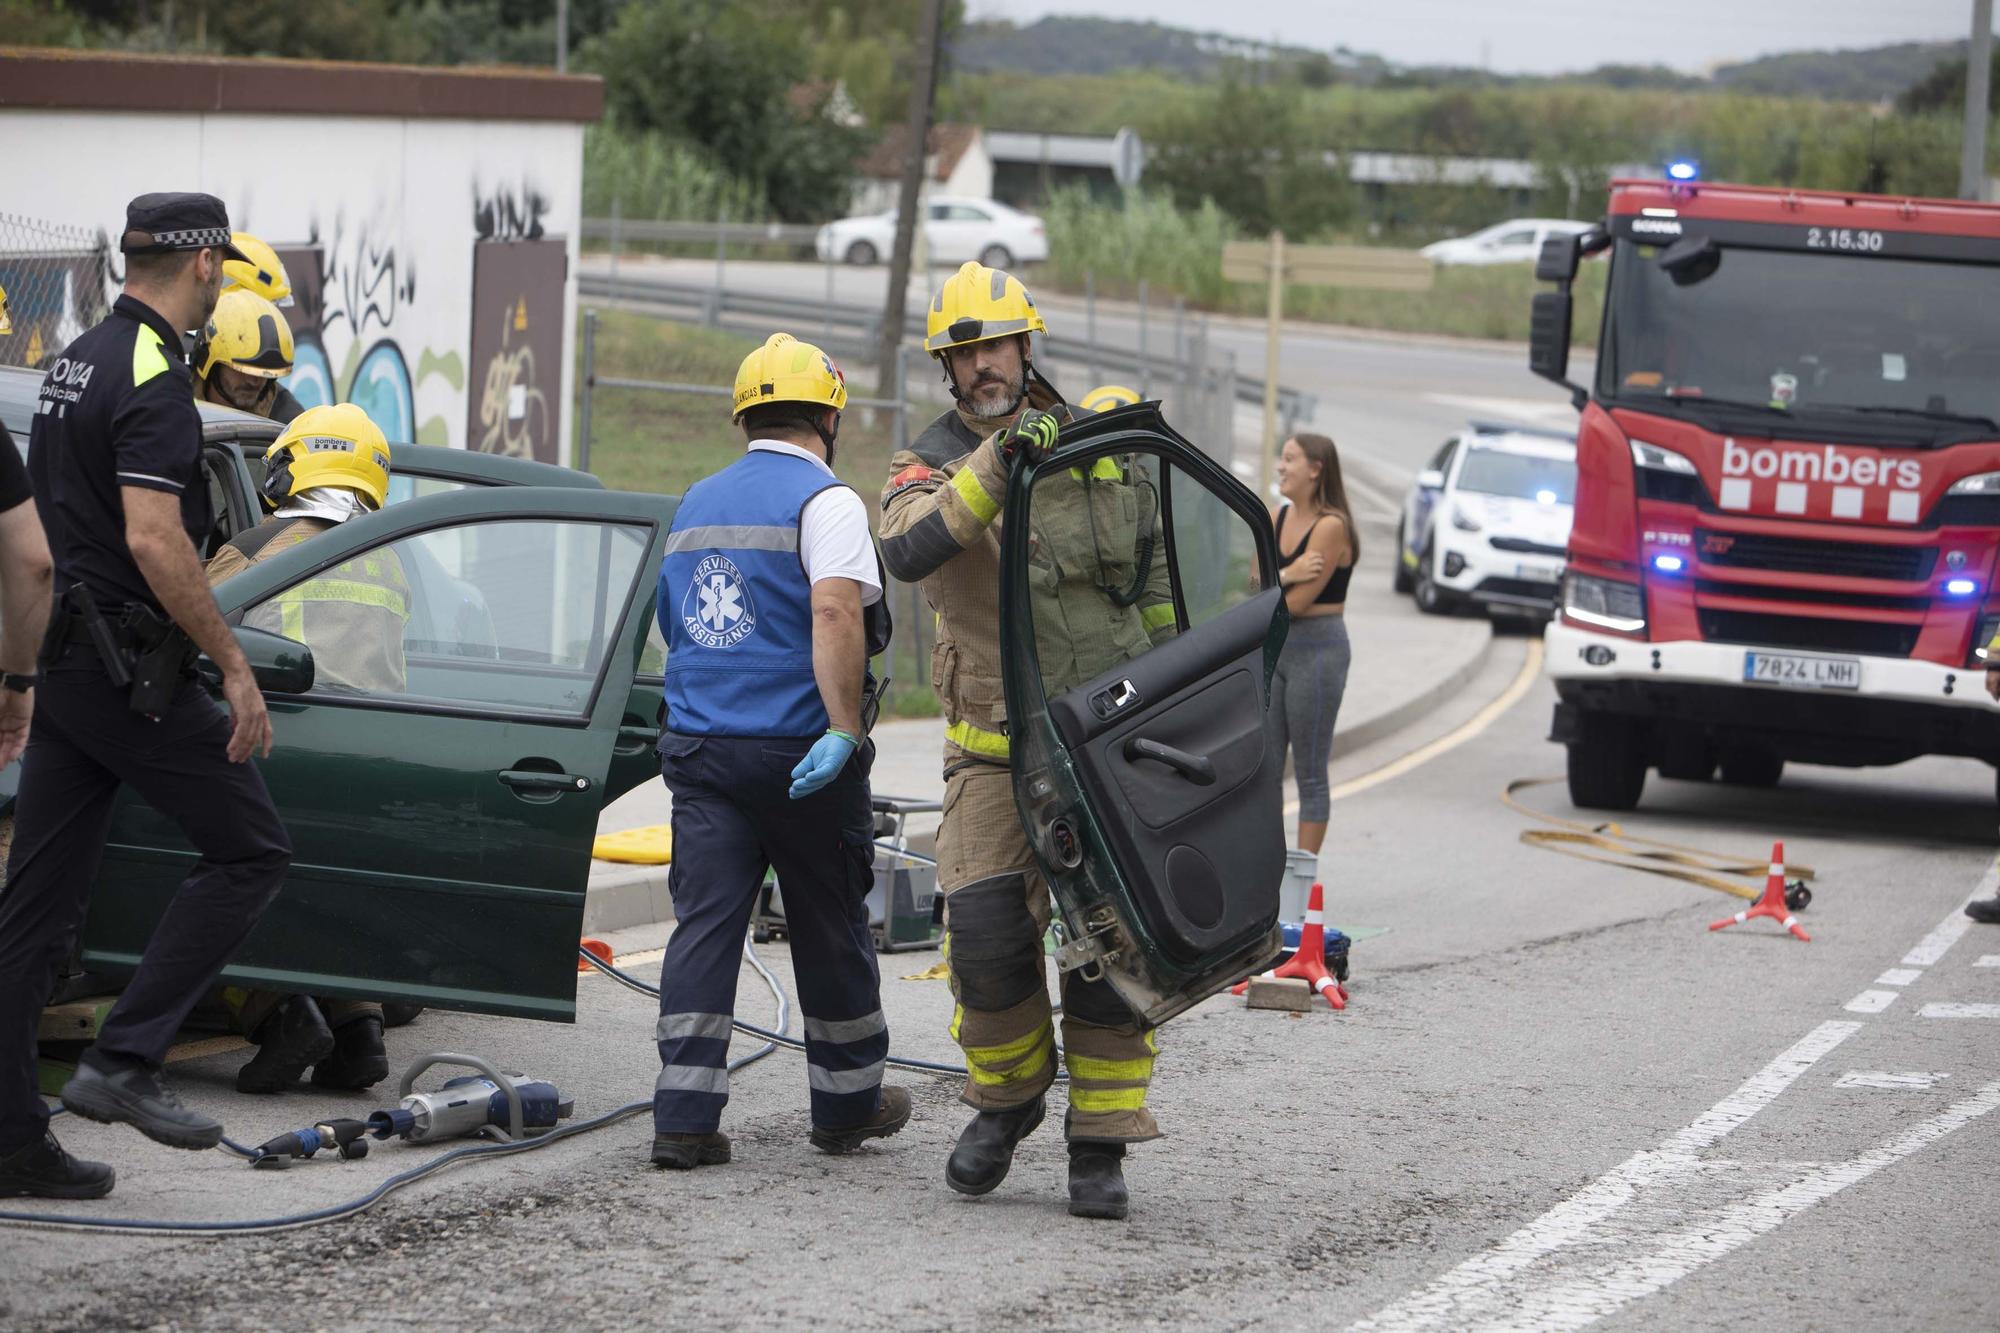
<point x="1846" y="338"/>
<point x="1519" y="476"/>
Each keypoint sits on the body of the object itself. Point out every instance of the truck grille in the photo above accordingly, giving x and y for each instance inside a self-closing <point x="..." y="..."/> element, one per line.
<point x="1805" y="555"/>
<point x="1809" y="633"/>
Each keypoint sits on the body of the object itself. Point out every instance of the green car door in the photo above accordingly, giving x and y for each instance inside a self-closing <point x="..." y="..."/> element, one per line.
<point x="1143" y="620"/>
<point x="441" y="832"/>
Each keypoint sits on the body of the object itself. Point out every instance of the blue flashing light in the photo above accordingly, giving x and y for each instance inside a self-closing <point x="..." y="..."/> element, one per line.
<point x="1669" y="564"/>
<point x="1960" y="587"/>
<point x="1683" y="170"/>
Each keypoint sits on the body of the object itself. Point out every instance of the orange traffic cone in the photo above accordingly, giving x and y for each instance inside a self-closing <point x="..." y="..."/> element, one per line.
<point x="1772" y="904"/>
<point x="596" y="948"/>
<point x="1309" y="960"/>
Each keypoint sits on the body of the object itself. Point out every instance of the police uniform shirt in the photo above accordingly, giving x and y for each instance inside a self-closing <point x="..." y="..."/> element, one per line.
<point x="14" y="487"/>
<point x="116" y="409"/>
<point x="834" y="542"/>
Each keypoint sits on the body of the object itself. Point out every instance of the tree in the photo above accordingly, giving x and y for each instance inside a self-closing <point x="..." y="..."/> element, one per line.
<point x="1943" y="89"/>
<point x="1249" y="148"/>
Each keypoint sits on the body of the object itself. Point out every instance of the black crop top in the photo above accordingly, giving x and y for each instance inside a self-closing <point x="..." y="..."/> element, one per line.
<point x="1335" y="591"/>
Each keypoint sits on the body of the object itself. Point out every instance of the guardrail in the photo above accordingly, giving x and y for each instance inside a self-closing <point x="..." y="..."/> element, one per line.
<point x="852" y="330"/>
<point x="617" y="229"/>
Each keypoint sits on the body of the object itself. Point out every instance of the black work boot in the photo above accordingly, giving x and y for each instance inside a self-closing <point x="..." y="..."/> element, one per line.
<point x="289" y="1042"/>
<point x="113" y="1090"/>
<point x="358" y="1059"/>
<point x="1097" y="1180"/>
<point x="891" y="1114"/>
<point x="684" y="1152"/>
<point x="986" y="1147"/>
<point x="42" y="1170"/>
<point x="1986" y="910"/>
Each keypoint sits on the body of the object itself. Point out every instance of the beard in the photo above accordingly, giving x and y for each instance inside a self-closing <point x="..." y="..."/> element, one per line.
<point x="996" y="397"/>
<point x="211" y="294"/>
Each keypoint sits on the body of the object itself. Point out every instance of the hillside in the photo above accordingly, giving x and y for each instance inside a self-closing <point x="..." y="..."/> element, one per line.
<point x="1871" y="75"/>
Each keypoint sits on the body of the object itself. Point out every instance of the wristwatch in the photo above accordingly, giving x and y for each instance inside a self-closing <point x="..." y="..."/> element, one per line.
<point x="18" y="684"/>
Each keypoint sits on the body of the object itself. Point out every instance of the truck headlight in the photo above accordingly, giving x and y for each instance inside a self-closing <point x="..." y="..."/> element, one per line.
<point x="1463" y="521"/>
<point x="1982" y="483"/>
<point x="1666" y="460"/>
<point x="1605" y="603"/>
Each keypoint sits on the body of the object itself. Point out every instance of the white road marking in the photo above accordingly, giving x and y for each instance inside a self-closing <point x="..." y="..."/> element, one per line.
<point x="1871" y="1002"/>
<point x="1960" y="1011"/>
<point x="1880" y="1078"/>
<point x="1988" y="960"/>
<point x="1899" y="976"/>
<point x="1933" y="946"/>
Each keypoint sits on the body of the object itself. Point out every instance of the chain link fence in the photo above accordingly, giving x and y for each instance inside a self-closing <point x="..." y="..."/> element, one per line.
<point x="58" y="282"/>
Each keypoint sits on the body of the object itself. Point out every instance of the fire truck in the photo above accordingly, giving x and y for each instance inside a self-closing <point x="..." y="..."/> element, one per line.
<point x="1788" y="485"/>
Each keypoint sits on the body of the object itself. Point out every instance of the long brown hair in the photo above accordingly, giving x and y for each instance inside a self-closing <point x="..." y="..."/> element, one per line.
<point x="1331" y="493"/>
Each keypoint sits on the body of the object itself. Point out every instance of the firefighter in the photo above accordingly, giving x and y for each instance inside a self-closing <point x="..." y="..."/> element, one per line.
<point x="1097" y="602"/>
<point x="1109" y="398"/>
<point x="330" y="465"/>
<point x="259" y="270"/>
<point x="242" y="352"/>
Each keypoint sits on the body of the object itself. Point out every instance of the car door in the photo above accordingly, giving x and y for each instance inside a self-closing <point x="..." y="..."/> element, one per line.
<point x="1423" y="501"/>
<point x="1142" y="623"/>
<point x="441" y="832"/>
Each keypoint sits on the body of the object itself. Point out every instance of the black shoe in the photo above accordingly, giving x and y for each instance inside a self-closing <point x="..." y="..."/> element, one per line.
<point x="396" y="1013"/>
<point x="891" y="1114"/>
<point x="42" y="1170"/>
<point x="986" y="1147"/>
<point x="134" y="1095"/>
<point x="1986" y="910"/>
<point x="289" y="1042"/>
<point x="1097" y="1180"/>
<point x="684" y="1152"/>
<point x="358" y="1060"/>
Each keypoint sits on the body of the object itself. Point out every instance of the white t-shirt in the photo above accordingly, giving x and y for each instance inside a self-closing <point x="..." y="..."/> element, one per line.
<point x="834" y="541"/>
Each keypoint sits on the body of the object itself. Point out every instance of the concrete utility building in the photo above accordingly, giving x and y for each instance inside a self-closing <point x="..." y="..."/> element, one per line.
<point x="428" y="219"/>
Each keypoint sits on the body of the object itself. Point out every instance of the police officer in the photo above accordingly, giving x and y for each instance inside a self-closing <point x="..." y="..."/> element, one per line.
<point x="115" y="460"/>
<point x="768" y="568"/>
<point x="941" y="528"/>
<point x="330" y="465"/>
<point x="24" y="592"/>
<point x="241" y="353"/>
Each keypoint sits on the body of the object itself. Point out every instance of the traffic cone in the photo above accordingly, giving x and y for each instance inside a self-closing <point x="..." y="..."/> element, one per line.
<point x="596" y="948"/>
<point x="1772" y="904"/>
<point x="1309" y="959"/>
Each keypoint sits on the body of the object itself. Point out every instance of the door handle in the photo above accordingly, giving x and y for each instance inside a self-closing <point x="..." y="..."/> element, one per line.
<point x="634" y="738"/>
<point x="1196" y="768"/>
<point x="544" y="782"/>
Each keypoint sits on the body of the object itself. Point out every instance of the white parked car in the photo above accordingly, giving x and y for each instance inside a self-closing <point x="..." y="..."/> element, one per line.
<point x="955" y="230"/>
<point x="1487" y="523"/>
<point x="1515" y="242"/>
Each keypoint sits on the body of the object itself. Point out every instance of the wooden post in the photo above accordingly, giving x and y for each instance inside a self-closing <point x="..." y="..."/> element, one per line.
<point x="1267" y="439"/>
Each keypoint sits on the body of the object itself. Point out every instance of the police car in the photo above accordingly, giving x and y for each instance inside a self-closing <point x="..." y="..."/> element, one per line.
<point x="1487" y="523"/>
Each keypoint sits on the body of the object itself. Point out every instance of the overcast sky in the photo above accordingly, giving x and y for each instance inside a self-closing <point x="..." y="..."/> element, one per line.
<point x="1539" y="36"/>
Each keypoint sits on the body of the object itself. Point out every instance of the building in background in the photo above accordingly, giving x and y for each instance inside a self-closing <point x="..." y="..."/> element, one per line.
<point x="1028" y="168"/>
<point x="955" y="162"/>
<point x="428" y="219"/>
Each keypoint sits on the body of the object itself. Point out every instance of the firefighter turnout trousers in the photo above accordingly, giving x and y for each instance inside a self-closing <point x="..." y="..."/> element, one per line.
<point x="733" y="818"/>
<point x="996" y="911"/>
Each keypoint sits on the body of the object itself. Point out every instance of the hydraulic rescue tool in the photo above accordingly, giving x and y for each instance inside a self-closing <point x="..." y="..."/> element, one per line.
<point x="347" y="1137"/>
<point x="508" y="1107"/>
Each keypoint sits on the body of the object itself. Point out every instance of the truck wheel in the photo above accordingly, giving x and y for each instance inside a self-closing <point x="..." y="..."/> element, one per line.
<point x="1752" y="768"/>
<point x="1404" y="580"/>
<point x="1687" y="758"/>
<point x="1607" y="763"/>
<point x="1431" y="599"/>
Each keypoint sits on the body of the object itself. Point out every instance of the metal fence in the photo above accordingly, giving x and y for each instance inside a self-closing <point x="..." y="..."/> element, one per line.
<point x="57" y="281"/>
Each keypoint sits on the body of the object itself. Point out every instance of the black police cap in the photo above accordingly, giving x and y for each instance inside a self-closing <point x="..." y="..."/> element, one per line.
<point x="157" y="223"/>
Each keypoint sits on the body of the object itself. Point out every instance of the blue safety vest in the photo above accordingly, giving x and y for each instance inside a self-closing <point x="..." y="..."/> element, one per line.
<point x="735" y="605"/>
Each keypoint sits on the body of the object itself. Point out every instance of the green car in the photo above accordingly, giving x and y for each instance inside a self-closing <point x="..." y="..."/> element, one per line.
<point x="441" y="835"/>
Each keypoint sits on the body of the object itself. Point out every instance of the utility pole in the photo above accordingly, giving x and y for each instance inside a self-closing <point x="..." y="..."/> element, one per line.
<point x="923" y="93"/>
<point x="562" y="36"/>
<point x="1978" y="78"/>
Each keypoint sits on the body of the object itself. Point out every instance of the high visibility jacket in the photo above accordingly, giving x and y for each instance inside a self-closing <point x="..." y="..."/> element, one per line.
<point x="735" y="605"/>
<point x="352" y="616"/>
<point x="941" y="529"/>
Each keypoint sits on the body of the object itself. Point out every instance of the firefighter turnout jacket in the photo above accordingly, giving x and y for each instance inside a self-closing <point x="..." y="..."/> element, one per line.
<point x="352" y="616"/>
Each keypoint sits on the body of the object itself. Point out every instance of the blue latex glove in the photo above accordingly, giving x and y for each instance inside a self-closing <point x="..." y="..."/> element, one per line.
<point x="822" y="763"/>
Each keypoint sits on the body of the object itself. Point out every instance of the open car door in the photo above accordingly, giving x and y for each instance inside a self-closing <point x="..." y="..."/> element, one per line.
<point x="441" y="831"/>
<point x="1143" y="622"/>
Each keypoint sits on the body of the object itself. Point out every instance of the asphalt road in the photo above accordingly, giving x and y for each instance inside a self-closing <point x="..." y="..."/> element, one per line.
<point x="1556" y="1098"/>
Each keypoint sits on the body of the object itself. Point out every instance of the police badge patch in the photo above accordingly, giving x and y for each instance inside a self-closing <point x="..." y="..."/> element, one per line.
<point x="716" y="609"/>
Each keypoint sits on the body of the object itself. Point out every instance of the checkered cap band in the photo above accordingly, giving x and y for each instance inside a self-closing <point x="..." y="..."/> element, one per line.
<point x="199" y="238"/>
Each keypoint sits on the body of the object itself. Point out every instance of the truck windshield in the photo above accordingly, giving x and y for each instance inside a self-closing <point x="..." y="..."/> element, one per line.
<point x="1813" y="334"/>
<point x="1519" y="476"/>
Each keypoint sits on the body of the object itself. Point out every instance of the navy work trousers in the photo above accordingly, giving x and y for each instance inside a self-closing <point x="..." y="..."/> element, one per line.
<point x="733" y="818"/>
<point x="86" y="741"/>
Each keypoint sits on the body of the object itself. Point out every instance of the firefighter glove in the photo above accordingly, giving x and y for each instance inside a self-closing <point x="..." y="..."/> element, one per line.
<point x="1031" y="437"/>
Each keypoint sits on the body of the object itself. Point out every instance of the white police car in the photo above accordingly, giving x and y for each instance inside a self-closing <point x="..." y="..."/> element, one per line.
<point x="1487" y="522"/>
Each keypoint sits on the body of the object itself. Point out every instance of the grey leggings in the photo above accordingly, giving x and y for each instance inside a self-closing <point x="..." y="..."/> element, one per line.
<point x="1305" y="700"/>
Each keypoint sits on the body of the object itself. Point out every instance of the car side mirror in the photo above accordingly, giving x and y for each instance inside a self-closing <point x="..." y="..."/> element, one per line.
<point x="1430" y="479"/>
<point x="280" y="665"/>
<point x="1691" y="259"/>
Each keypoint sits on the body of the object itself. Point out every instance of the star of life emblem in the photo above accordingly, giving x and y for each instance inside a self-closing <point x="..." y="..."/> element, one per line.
<point x="716" y="610"/>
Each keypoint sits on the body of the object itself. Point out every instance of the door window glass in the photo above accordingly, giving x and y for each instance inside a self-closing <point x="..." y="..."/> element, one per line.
<point x="411" y="486"/>
<point x="1516" y="238"/>
<point x="514" y="615"/>
<point x="1127" y="552"/>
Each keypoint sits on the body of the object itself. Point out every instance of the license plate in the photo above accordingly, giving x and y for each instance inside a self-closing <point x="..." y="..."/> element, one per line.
<point x="1810" y="673"/>
<point x="1538" y="573"/>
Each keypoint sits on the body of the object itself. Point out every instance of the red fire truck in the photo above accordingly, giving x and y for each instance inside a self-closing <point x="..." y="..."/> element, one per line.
<point x="1788" y="489"/>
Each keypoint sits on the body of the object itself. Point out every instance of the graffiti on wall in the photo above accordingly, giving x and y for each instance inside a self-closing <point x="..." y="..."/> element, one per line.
<point x="509" y="215"/>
